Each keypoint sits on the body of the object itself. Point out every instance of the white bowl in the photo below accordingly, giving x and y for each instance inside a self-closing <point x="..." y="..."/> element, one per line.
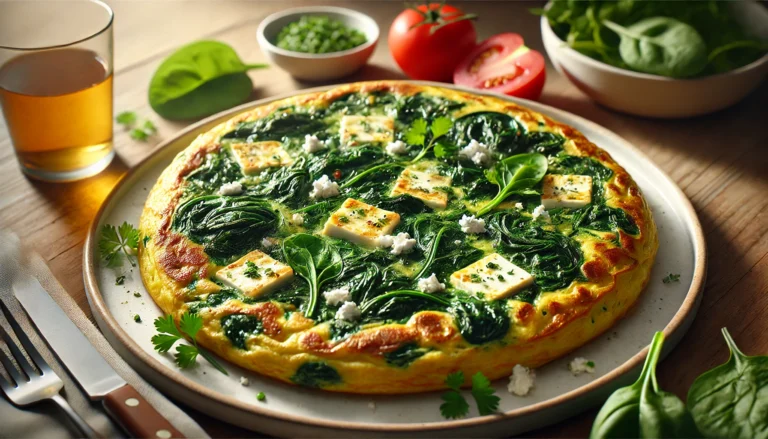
<point x="657" y="96"/>
<point x="321" y="66"/>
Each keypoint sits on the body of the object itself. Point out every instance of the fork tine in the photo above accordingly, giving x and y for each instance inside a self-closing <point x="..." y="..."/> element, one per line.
<point x="4" y="384"/>
<point x="17" y="376"/>
<point x="28" y="346"/>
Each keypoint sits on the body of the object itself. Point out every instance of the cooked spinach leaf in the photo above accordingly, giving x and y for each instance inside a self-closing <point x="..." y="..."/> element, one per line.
<point x="217" y="169"/>
<point x="571" y="164"/>
<point x="731" y="400"/>
<point x="405" y="355"/>
<point x="479" y="320"/>
<point x="425" y="107"/>
<point x="277" y="127"/>
<point x="227" y="227"/>
<point x="238" y="327"/>
<point x="553" y="258"/>
<point x="316" y="374"/>
<point x="315" y="260"/>
<point x="499" y="132"/>
<point x="604" y="218"/>
<point x="515" y="175"/>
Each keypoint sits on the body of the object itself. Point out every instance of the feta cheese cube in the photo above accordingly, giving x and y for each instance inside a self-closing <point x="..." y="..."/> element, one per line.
<point x="427" y="186"/>
<point x="580" y="365"/>
<point x="255" y="157"/>
<point x="356" y="130"/>
<point x="431" y="284"/>
<point x="494" y="276"/>
<point x="521" y="380"/>
<point x="255" y="274"/>
<point x="572" y="191"/>
<point x="361" y="223"/>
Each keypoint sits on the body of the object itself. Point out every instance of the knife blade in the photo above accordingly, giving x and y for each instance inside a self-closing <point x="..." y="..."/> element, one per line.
<point x="96" y="377"/>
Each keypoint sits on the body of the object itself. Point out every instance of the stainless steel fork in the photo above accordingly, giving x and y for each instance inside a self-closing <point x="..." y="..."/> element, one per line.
<point x="30" y="385"/>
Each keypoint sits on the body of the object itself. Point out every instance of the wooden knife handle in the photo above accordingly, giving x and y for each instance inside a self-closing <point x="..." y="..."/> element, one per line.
<point x="135" y="414"/>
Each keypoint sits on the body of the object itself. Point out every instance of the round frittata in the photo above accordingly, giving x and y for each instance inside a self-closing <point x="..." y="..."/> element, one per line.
<point x="376" y="237"/>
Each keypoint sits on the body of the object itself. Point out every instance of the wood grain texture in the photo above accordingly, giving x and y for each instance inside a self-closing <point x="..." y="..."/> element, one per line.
<point x="719" y="161"/>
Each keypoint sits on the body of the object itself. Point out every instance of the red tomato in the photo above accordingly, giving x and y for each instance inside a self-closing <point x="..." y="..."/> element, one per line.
<point x="428" y="41"/>
<point x="503" y="64"/>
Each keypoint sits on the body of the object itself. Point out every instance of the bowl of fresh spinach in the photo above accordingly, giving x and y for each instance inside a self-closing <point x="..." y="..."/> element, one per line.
<point x="318" y="43"/>
<point x="659" y="59"/>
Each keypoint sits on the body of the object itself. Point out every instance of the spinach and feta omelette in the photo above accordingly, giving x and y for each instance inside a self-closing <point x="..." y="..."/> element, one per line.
<point x="376" y="237"/>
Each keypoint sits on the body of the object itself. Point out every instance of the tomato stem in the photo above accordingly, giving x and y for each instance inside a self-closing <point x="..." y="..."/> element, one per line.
<point x="436" y="17"/>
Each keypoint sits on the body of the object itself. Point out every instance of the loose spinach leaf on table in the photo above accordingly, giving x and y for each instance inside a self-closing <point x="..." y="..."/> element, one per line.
<point x="226" y="226"/>
<point x="642" y="409"/>
<point x="314" y="259"/>
<point x="199" y="79"/>
<point x="661" y="46"/>
<point x="515" y="175"/>
<point x="731" y="400"/>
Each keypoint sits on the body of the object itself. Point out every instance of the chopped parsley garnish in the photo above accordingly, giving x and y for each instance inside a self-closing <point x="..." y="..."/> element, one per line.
<point x="671" y="278"/>
<point x="251" y="270"/>
<point x="344" y="219"/>
<point x="456" y="406"/>
<point x="126" y="118"/>
<point x="137" y="294"/>
<point x="590" y="363"/>
<point x="168" y="334"/>
<point x="119" y="280"/>
<point x="493" y="266"/>
<point x="500" y="278"/>
<point x="269" y="272"/>
<point x="137" y="318"/>
<point x="142" y="132"/>
<point x="116" y="242"/>
<point x="474" y="277"/>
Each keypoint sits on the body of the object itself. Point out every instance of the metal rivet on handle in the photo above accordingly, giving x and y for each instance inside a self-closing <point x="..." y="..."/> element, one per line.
<point x="131" y="402"/>
<point x="163" y="434"/>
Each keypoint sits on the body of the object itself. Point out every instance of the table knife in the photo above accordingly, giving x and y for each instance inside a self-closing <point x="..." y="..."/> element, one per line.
<point x="96" y="377"/>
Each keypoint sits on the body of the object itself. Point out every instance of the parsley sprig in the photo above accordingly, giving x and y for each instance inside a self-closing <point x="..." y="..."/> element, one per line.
<point x="418" y="134"/>
<point x="668" y="279"/>
<point x="169" y="334"/>
<point x="456" y="406"/>
<point x="140" y="132"/>
<point x="117" y="242"/>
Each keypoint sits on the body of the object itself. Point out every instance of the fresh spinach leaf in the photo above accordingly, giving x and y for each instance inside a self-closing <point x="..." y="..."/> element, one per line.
<point x="731" y="400"/>
<point x="199" y="79"/>
<point x="227" y="227"/>
<point x="642" y="409"/>
<point x="661" y="46"/>
<point x="315" y="260"/>
<point x="515" y="175"/>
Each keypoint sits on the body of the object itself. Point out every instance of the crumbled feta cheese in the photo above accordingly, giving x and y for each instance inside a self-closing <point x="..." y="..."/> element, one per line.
<point x="297" y="219"/>
<point x="397" y="147"/>
<point x="521" y="380"/>
<point x="323" y="187"/>
<point x="348" y="311"/>
<point x="541" y="212"/>
<point x="268" y="242"/>
<point x="470" y="224"/>
<point x="477" y="152"/>
<point x="372" y="405"/>
<point x="457" y="242"/>
<point x="336" y="296"/>
<point x="233" y="188"/>
<point x="400" y="243"/>
<point x="312" y="144"/>
<point x="431" y="284"/>
<point x="580" y="365"/>
<point x="519" y="206"/>
<point x="245" y="382"/>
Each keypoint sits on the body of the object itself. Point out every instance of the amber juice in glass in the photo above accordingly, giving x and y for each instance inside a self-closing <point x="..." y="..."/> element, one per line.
<point x="57" y="104"/>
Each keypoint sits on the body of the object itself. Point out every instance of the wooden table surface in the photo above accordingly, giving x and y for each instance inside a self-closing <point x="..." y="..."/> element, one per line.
<point x="720" y="161"/>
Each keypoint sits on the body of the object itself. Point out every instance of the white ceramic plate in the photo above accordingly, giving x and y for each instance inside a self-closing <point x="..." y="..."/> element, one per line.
<point x="293" y="411"/>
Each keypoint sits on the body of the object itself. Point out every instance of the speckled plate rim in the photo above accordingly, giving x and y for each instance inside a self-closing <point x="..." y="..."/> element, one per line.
<point x="177" y="382"/>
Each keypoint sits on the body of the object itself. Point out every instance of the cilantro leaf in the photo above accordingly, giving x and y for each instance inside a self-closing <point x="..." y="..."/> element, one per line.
<point x="164" y="342"/>
<point x="126" y="118"/>
<point x="167" y="325"/>
<point x="417" y="132"/>
<point x="455" y="406"/>
<point x="440" y="127"/>
<point x="487" y="401"/>
<point x="185" y="355"/>
<point x="455" y="380"/>
<point x="671" y="278"/>
<point x="190" y="324"/>
<point x="149" y="127"/>
<point x="116" y="242"/>
<point x="139" y="134"/>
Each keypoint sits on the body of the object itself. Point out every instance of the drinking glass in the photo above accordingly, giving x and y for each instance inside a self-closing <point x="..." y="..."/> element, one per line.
<point x="56" y="86"/>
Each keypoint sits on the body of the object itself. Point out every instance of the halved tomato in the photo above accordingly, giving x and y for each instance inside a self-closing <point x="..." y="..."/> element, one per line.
<point x="503" y="64"/>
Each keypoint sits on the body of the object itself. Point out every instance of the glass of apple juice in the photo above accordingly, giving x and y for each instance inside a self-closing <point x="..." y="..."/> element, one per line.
<point x="56" y="86"/>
